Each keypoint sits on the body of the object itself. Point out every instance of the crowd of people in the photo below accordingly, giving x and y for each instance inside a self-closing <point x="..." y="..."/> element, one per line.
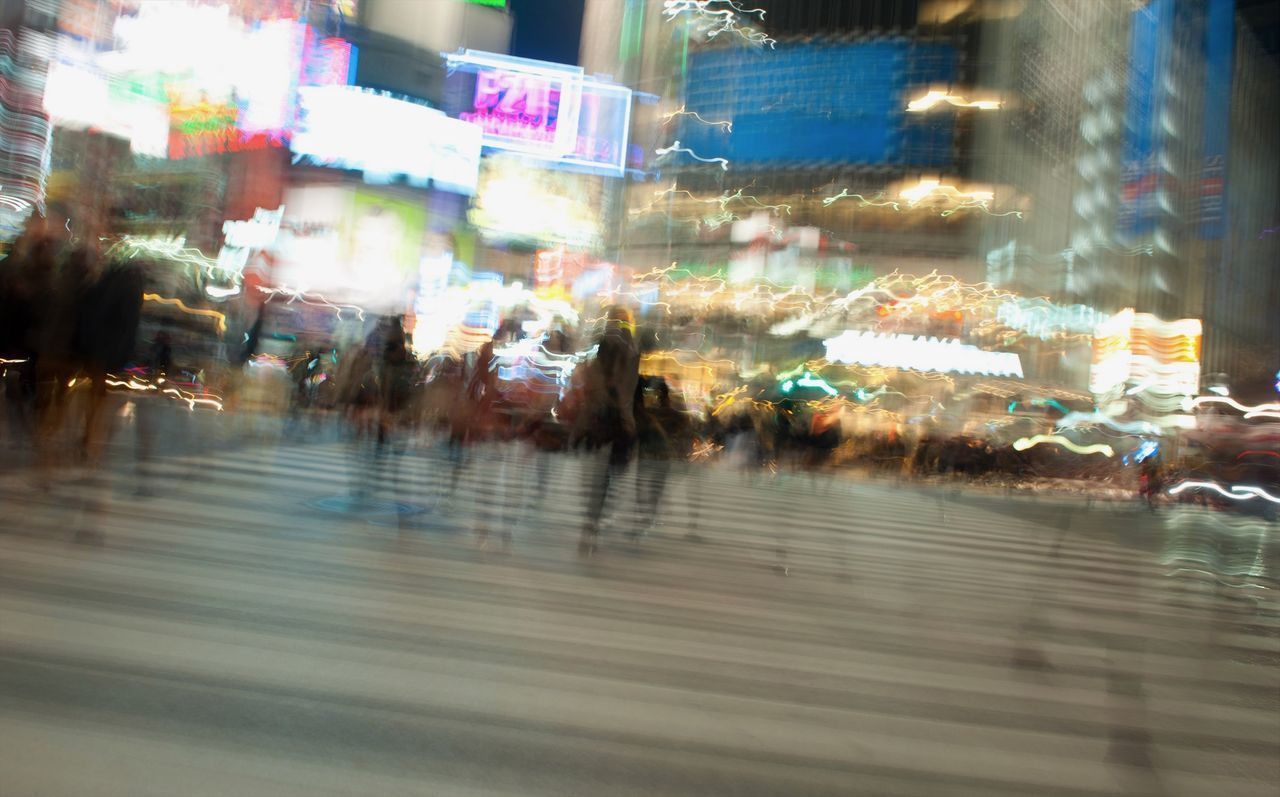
<point x="70" y="316"/>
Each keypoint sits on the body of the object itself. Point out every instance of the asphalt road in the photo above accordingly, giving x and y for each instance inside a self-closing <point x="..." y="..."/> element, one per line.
<point x="250" y="628"/>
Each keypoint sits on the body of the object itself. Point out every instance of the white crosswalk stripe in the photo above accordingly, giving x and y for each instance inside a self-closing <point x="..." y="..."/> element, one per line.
<point x="254" y="629"/>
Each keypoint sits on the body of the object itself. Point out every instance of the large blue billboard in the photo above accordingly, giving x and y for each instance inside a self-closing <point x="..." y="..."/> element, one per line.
<point x="1150" y="35"/>
<point x="836" y="103"/>
<point x="1220" y="34"/>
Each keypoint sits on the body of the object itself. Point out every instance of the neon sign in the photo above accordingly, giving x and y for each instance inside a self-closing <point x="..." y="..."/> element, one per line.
<point x="207" y="129"/>
<point x="520" y="104"/>
<point x="918" y="353"/>
<point x="515" y="105"/>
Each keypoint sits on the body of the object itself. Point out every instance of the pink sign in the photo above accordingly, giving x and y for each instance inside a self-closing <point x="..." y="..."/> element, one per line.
<point x="514" y="105"/>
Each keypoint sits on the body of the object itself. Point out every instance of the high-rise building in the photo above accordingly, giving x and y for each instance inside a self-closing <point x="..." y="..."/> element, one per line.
<point x="1134" y="135"/>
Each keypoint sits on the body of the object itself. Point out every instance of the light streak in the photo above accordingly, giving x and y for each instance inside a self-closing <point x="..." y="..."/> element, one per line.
<point x="934" y="97"/>
<point x="1023" y="443"/>
<point x="704" y="451"/>
<point x="216" y="292"/>
<point x="718" y="19"/>
<point x="809" y="380"/>
<point x="174" y="249"/>
<point x="914" y="196"/>
<point x="319" y="300"/>
<point x="920" y="353"/>
<point x="1237" y="492"/>
<point x="675" y="147"/>
<point x="189" y="398"/>
<point x="7" y="361"/>
<point x="1258" y="491"/>
<point x="1255" y="410"/>
<point x="1073" y="419"/>
<point x="726" y="400"/>
<point x="219" y="318"/>
<point x="666" y="119"/>
<point x="863" y="201"/>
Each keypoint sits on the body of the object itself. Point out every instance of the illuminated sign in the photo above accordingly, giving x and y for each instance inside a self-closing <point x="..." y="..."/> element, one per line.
<point x="350" y="128"/>
<point x="328" y="62"/>
<point x="78" y="94"/>
<point x="520" y="201"/>
<point x="604" y="120"/>
<point x="1156" y="357"/>
<point x="350" y="243"/>
<point x="549" y="111"/>
<point x="265" y="93"/>
<point x="204" y="128"/>
<point x="203" y="61"/>
<point x="520" y="104"/>
<point x="241" y="237"/>
<point x="919" y="353"/>
<point x="1043" y="319"/>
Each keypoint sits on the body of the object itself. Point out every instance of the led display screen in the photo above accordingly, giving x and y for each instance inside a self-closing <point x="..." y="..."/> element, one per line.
<point x="843" y="103"/>
<point x="520" y="104"/>
<point x="350" y="128"/>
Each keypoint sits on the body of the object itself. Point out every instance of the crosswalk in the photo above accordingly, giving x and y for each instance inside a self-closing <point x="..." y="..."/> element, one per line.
<point x="324" y="619"/>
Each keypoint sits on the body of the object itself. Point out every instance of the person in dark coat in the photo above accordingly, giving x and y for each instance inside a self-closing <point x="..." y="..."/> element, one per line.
<point x="608" y="414"/>
<point x="105" y="337"/>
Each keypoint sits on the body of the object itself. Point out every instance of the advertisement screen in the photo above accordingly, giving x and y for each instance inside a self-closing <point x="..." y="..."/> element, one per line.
<point x="604" y="120"/>
<point x="352" y="244"/>
<point x="520" y="104"/>
<point x="350" y="128"/>
<point x="525" y="202"/>
<point x="543" y="110"/>
<point x="844" y="101"/>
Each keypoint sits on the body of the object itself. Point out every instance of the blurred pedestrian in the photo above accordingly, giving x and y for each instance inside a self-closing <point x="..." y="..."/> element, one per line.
<point x="607" y="421"/>
<point x="664" y="437"/>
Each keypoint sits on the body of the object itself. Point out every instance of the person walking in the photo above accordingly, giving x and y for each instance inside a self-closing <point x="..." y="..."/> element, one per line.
<point x="608" y="419"/>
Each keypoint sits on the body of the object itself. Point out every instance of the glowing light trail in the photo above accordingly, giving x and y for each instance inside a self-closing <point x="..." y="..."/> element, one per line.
<point x="1023" y="443"/>
<point x="1254" y="410"/>
<point x="1237" y="492"/>
<point x="935" y="97"/>
<point x="666" y="119"/>
<point x="219" y="318"/>
<point x="675" y="147"/>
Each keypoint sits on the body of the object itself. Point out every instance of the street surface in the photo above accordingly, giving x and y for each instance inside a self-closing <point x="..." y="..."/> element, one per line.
<point x="251" y="628"/>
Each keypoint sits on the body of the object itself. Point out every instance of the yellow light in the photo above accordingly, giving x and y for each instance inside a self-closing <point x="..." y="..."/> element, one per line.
<point x="1023" y="443"/>
<point x="219" y="318"/>
<point x="935" y="97"/>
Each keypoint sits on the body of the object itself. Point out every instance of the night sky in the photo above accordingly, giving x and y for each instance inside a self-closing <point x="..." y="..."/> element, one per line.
<point x="548" y="30"/>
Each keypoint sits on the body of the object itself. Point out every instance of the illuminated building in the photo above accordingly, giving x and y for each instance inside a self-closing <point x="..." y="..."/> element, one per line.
<point x="782" y="111"/>
<point x="25" y="45"/>
<point x="1137" y="136"/>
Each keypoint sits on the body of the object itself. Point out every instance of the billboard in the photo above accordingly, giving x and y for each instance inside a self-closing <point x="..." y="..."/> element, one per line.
<point x="520" y="104"/>
<point x="604" y="120"/>
<point x="544" y="110"/>
<point x="518" y="201"/>
<point x="229" y="85"/>
<point x="1149" y="38"/>
<point x="1219" y="44"/>
<point x="347" y="127"/>
<point x="843" y="103"/>
<point x="352" y="244"/>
